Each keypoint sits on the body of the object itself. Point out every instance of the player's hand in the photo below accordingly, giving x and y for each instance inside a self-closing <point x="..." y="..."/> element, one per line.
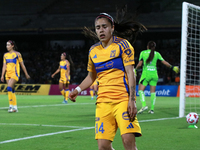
<point x="132" y="110"/>
<point x="73" y="95"/>
<point x="27" y="76"/>
<point x="52" y="75"/>
<point x="2" y="79"/>
<point x="135" y="71"/>
<point x="176" y="69"/>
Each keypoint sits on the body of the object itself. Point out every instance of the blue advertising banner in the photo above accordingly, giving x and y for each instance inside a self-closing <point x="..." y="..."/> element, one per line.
<point x="161" y="90"/>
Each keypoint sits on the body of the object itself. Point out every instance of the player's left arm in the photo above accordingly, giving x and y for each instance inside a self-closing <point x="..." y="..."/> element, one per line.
<point x="132" y="108"/>
<point x="128" y="60"/>
<point x="3" y="69"/>
<point x="68" y="69"/>
<point x="23" y="66"/>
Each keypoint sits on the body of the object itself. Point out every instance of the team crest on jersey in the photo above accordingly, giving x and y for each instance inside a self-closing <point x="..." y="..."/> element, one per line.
<point x="112" y="53"/>
<point x="13" y="56"/>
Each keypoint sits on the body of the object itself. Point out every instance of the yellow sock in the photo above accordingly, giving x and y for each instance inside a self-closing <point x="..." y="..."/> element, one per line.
<point x="14" y="99"/>
<point x="66" y="94"/>
<point x="62" y="92"/>
<point x="91" y="93"/>
<point x="10" y="98"/>
<point x="9" y="89"/>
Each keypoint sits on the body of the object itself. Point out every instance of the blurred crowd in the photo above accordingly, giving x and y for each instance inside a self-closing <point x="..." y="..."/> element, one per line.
<point x="41" y="63"/>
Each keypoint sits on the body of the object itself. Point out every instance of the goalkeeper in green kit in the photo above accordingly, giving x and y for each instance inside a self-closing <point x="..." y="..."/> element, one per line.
<point x="148" y="58"/>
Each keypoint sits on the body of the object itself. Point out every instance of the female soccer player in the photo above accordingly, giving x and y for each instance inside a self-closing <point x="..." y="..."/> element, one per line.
<point x="148" y="58"/>
<point x="64" y="69"/>
<point x="112" y="60"/>
<point x="11" y="70"/>
<point x="93" y="89"/>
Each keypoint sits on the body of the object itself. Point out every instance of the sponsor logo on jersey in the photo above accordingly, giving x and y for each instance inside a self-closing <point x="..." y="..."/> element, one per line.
<point x="128" y="52"/>
<point x="109" y="64"/>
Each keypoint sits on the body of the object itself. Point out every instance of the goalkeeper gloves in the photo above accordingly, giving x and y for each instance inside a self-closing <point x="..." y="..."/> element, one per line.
<point x="175" y="69"/>
<point x="135" y="71"/>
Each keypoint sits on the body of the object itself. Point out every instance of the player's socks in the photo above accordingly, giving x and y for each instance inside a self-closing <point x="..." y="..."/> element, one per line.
<point x="62" y="92"/>
<point x="142" y="98"/>
<point x="92" y="94"/>
<point x="14" y="98"/>
<point x="66" y="94"/>
<point x="9" y="89"/>
<point x="95" y="94"/>
<point x="153" y="100"/>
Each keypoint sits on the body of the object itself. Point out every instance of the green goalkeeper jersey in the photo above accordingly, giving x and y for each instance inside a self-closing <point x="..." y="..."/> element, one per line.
<point x="151" y="66"/>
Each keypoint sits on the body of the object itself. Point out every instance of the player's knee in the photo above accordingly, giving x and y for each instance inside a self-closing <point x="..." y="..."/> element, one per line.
<point x="9" y="89"/>
<point x="105" y="147"/>
<point x="129" y="141"/>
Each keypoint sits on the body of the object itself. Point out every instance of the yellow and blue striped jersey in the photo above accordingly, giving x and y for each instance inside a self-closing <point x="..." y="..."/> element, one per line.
<point x="12" y="61"/>
<point x="109" y="64"/>
<point x="64" y="64"/>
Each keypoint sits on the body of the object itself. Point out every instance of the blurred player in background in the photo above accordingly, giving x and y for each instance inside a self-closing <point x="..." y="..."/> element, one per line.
<point x="12" y="60"/>
<point x="112" y="60"/>
<point x="148" y="58"/>
<point x="93" y="89"/>
<point x="64" y="69"/>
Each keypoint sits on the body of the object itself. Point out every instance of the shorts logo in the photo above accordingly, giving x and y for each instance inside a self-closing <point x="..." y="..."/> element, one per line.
<point x="130" y="126"/>
<point x="125" y="115"/>
<point x="97" y="119"/>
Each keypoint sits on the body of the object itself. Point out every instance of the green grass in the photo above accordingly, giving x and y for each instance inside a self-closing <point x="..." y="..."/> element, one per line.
<point x="39" y="116"/>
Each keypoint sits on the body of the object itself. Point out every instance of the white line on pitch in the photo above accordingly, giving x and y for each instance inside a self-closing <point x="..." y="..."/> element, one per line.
<point x="41" y="125"/>
<point x="159" y="119"/>
<point x="42" y="135"/>
<point x="49" y="105"/>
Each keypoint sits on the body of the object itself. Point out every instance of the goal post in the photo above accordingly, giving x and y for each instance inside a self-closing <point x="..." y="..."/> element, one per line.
<point x="190" y="60"/>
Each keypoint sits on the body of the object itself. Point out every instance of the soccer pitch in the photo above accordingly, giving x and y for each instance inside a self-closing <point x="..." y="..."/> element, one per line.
<point x="43" y="122"/>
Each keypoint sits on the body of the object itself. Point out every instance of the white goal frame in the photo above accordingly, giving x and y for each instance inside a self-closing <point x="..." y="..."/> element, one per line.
<point x="183" y="62"/>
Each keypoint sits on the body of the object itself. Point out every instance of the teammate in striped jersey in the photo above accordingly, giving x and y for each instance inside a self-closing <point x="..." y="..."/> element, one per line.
<point x="64" y="69"/>
<point x="12" y="60"/>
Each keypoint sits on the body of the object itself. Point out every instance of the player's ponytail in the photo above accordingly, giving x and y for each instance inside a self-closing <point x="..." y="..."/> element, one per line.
<point x="68" y="57"/>
<point x="125" y="24"/>
<point x="151" y="45"/>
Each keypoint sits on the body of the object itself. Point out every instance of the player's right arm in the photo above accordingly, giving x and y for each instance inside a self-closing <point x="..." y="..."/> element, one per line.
<point x="57" y="71"/>
<point x="3" y="69"/>
<point x="86" y="83"/>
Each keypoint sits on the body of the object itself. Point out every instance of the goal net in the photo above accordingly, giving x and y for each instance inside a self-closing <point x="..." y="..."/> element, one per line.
<point x="190" y="60"/>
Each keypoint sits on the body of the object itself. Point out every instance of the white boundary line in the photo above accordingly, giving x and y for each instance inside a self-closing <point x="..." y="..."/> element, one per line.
<point x="159" y="119"/>
<point x="67" y="131"/>
<point x="42" y="135"/>
<point x="50" y="105"/>
<point x="41" y="125"/>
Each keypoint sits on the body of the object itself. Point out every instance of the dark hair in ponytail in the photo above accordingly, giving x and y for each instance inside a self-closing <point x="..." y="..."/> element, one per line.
<point x="70" y="61"/>
<point x="125" y="24"/>
<point x="151" y="45"/>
